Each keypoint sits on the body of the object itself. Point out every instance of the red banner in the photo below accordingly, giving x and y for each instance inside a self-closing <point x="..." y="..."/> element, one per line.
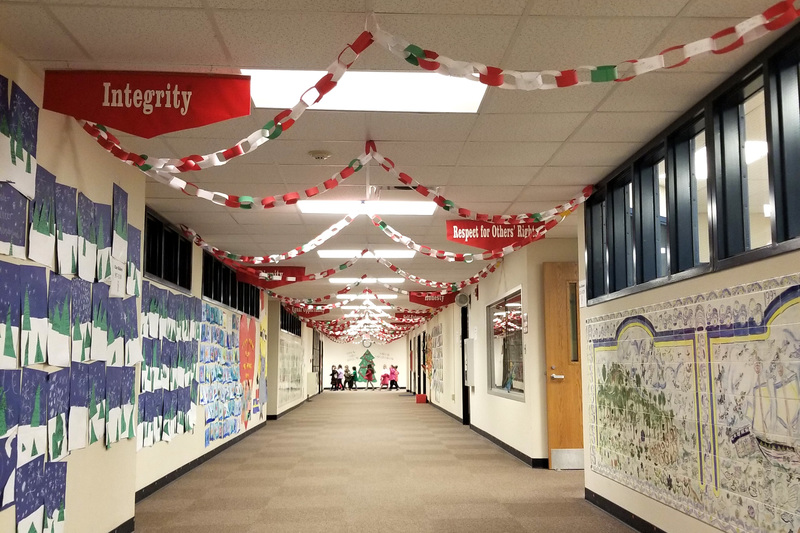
<point x="488" y="236"/>
<point x="302" y="313"/>
<point x="278" y="274"/>
<point x="247" y="348"/>
<point x="147" y="104"/>
<point x="431" y="299"/>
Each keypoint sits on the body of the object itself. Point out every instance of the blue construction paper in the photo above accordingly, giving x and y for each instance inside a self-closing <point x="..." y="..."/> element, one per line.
<point x="79" y="385"/>
<point x="24" y="117"/>
<point x="113" y="387"/>
<point x="8" y="464"/>
<point x="135" y="246"/>
<point x="13" y="220"/>
<point x="102" y="225"/>
<point x="33" y="408"/>
<point x="131" y="318"/>
<point x="42" y="209"/>
<point x="58" y="392"/>
<point x="128" y="385"/>
<point x="55" y="488"/>
<point x="86" y="227"/>
<point x="33" y="286"/>
<point x="97" y="383"/>
<point x="10" y="310"/>
<point x="10" y="400"/>
<point x="29" y="493"/>
<point x="66" y="209"/>
<point x="58" y="304"/>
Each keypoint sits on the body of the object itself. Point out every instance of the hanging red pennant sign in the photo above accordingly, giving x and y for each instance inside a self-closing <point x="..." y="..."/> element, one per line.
<point x="488" y="236"/>
<point x="147" y="104"/>
<point x="431" y="299"/>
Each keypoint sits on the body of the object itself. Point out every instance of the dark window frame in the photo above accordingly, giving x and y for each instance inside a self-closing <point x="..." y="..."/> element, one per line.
<point x="167" y="253"/>
<point x="221" y="285"/>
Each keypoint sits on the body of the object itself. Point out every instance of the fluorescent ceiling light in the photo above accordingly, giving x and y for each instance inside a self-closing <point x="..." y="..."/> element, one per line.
<point x="349" y="281"/>
<point x="369" y="207"/>
<point x="348" y="254"/>
<point x="413" y="92"/>
<point x="513" y="304"/>
<point x="362" y="307"/>
<point x="365" y="297"/>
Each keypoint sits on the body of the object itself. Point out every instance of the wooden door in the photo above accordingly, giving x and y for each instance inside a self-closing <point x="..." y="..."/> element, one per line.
<point x="562" y="345"/>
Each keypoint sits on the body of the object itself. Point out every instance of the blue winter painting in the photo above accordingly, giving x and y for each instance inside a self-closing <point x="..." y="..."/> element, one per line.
<point x="145" y="307"/>
<point x="141" y="425"/>
<point x="134" y="282"/>
<point x="119" y="245"/>
<point x="102" y="227"/>
<point x="169" y="358"/>
<point x="87" y="239"/>
<point x="55" y="496"/>
<point x="133" y="343"/>
<point x="29" y="493"/>
<point x="32" y="431"/>
<point x="116" y="332"/>
<point x="151" y="364"/>
<point x="163" y="313"/>
<point x="10" y="314"/>
<point x="59" y="317"/>
<point x="113" y="404"/>
<point x="42" y="216"/>
<point x="157" y="413"/>
<point x="57" y="408"/>
<point x="10" y="401"/>
<point x="81" y="323"/>
<point x="18" y="161"/>
<point x="100" y="324"/>
<point x="33" y="298"/>
<point x="128" y="402"/>
<point x="66" y="229"/>
<point x="78" y="406"/>
<point x="97" y="401"/>
<point x="13" y="221"/>
<point x="8" y="466"/>
<point x="169" y="427"/>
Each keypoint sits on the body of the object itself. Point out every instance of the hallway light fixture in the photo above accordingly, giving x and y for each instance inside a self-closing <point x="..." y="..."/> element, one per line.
<point x="347" y="254"/>
<point x="366" y="207"/>
<point x="400" y="91"/>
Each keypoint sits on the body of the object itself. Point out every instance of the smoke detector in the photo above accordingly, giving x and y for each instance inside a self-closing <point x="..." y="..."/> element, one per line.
<point x="320" y="155"/>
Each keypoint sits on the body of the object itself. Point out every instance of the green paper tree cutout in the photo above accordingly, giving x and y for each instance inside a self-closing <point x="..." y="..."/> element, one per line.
<point x="108" y="267"/>
<point x="92" y="435"/>
<point x="32" y="529"/>
<point x="3" y="406"/>
<point x="26" y="313"/>
<point x="8" y="344"/>
<point x="366" y="359"/>
<point x="60" y="322"/>
<point x="58" y="437"/>
<point x="101" y="404"/>
<point x="61" y="511"/>
<point x="39" y="357"/>
<point x="36" y="418"/>
<point x="34" y="451"/>
<point x="4" y="126"/>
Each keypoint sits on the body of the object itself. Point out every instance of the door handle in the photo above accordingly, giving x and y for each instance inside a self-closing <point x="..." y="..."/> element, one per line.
<point x="556" y="376"/>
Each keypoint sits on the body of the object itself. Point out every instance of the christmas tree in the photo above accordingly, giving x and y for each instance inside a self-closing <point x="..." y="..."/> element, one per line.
<point x="8" y="345"/>
<point x="3" y="405"/>
<point x="36" y="418"/>
<point x="58" y="438"/>
<point x="366" y="359"/>
<point x="26" y="313"/>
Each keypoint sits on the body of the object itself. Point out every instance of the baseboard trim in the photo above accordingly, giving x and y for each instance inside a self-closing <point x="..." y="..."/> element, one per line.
<point x="448" y="413"/>
<point x="533" y="462"/>
<point x="126" y="527"/>
<point x="289" y="410"/>
<point x="620" y="513"/>
<point x="175" y="474"/>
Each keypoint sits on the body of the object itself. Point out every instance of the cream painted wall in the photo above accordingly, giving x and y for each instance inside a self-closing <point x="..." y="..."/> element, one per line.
<point x="520" y="424"/>
<point x="100" y="482"/>
<point x="336" y="353"/>
<point x="655" y="512"/>
<point x="450" y="400"/>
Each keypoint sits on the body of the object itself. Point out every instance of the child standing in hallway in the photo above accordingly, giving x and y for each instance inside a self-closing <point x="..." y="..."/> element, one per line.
<point x="334" y="377"/>
<point x="385" y="378"/>
<point x="340" y="376"/>
<point x="393" y="375"/>
<point x="370" y="377"/>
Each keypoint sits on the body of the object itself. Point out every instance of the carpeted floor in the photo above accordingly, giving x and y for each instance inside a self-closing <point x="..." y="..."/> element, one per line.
<point x="370" y="461"/>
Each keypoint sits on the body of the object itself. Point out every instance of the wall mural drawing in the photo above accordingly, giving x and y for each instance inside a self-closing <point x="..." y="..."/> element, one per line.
<point x="696" y="403"/>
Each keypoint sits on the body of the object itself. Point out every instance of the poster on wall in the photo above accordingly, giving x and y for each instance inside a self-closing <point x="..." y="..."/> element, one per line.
<point x="33" y="336"/>
<point x="103" y="231"/>
<point x="87" y="239"/>
<point x="66" y="229"/>
<point x="55" y="497"/>
<point x="119" y="245"/>
<point x="58" y="384"/>
<point x="42" y="216"/>
<point x="10" y="314"/>
<point x="100" y="326"/>
<point x="290" y="369"/>
<point x="78" y="426"/>
<point x="59" y="316"/>
<point x="13" y="221"/>
<point x="133" y="284"/>
<point x="32" y="430"/>
<point x="81" y="324"/>
<point x="97" y="402"/>
<point x="19" y="124"/>
<point x="30" y="497"/>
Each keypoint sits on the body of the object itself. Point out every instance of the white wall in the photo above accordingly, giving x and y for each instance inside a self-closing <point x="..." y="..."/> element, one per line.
<point x="394" y="353"/>
<point x="450" y="399"/>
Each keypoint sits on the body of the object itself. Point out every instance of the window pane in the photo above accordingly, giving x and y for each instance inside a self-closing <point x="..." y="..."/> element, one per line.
<point x="662" y="237"/>
<point x="756" y="181"/>
<point x="506" y="350"/>
<point x="700" y="177"/>
<point x="629" y="253"/>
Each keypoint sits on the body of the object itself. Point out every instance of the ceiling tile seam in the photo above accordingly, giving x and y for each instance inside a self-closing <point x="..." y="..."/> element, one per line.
<point x="212" y="20"/>
<point x="66" y="31"/>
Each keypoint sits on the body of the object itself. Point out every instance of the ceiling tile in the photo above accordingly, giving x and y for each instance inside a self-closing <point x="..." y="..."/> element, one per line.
<point x="291" y="152"/>
<point x="186" y="204"/>
<point x="602" y="8"/>
<point x="495" y="175"/>
<point x="558" y="43"/>
<point x="506" y="153"/>
<point x="316" y="125"/>
<point x="526" y="127"/>
<point x="454" y="7"/>
<point x="593" y="154"/>
<point x="128" y="3"/>
<point x="308" y="174"/>
<point x="270" y="219"/>
<point x="308" y="40"/>
<point x="724" y="8"/>
<point x="464" y="195"/>
<point x="562" y="231"/>
<point x="570" y="99"/>
<point x="233" y="130"/>
<point x="40" y="37"/>
<point x="127" y="27"/>
<point x="419" y="126"/>
<point x="420" y="153"/>
<point x="328" y="6"/>
<point x="571" y="175"/>
<point x="661" y="91"/>
<point x="550" y="193"/>
<point x="201" y="222"/>
<point x="620" y="127"/>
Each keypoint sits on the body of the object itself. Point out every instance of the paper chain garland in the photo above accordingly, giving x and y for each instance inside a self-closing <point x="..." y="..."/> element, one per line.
<point x="312" y="304"/>
<point x="772" y="19"/>
<point x="448" y="286"/>
<point x="296" y="279"/>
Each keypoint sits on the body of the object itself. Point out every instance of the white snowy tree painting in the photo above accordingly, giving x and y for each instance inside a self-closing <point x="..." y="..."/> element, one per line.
<point x="42" y="216"/>
<point x="55" y="496"/>
<point x="78" y="431"/>
<point x="103" y="231"/>
<point x="59" y="314"/>
<point x="29" y="496"/>
<point x="10" y="314"/>
<point x="100" y="326"/>
<point x="81" y="322"/>
<point x="128" y="400"/>
<point x="119" y="245"/>
<point x="57" y="407"/>
<point x="87" y="239"/>
<point x="113" y="404"/>
<point x="157" y="412"/>
<point x="33" y="299"/>
<point x="115" y="355"/>
<point x="8" y="468"/>
<point x="97" y="402"/>
<point x="141" y="423"/>
<point x="32" y="431"/>
<point x="134" y="283"/>
<point x="13" y="221"/>
<point x="66" y="229"/>
<point x="19" y="125"/>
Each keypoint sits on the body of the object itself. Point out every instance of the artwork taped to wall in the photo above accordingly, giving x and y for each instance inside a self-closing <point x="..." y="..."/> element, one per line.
<point x="10" y="314"/>
<point x="87" y="239"/>
<point x="59" y="315"/>
<point x="19" y="124"/>
<point x="42" y="217"/>
<point x="66" y="229"/>
<point x="696" y="403"/>
<point x="33" y="336"/>
<point x="57" y="409"/>
<point x="13" y="221"/>
<point x="290" y="369"/>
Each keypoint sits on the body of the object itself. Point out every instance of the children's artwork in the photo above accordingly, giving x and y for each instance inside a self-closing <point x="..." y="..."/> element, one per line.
<point x="113" y="404"/>
<point x="134" y="283"/>
<point x="66" y="229"/>
<point x="78" y="406"/>
<point x="55" y="496"/>
<point x="87" y="239"/>
<point x="169" y="427"/>
<point x="169" y="358"/>
<point x="81" y="323"/>
<point x="29" y="494"/>
<point x="115" y="355"/>
<point x="32" y="431"/>
<point x="10" y="402"/>
<point x="8" y="467"/>
<point x="141" y="425"/>
<point x="19" y="123"/>
<point x="57" y="408"/>
<point x="119" y="247"/>
<point x="128" y="399"/>
<point x="42" y="215"/>
<point x="151" y="365"/>
<point x="33" y="294"/>
<point x="100" y="322"/>
<point x="59" y="315"/>
<point x="157" y="413"/>
<point x="163" y="313"/>
<point x="145" y="330"/>
<point x="10" y="314"/>
<point x="97" y="401"/>
<point x="102" y="227"/>
<point x="133" y="345"/>
<point x="13" y="221"/>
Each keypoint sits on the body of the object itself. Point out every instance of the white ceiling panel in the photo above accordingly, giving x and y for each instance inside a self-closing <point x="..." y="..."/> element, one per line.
<point x="455" y="7"/>
<point x="202" y="223"/>
<point x="553" y="193"/>
<point x="495" y="175"/>
<point x="571" y="175"/>
<point x="661" y="91"/>
<point x="185" y="203"/>
<point x="465" y="196"/>
<point x="419" y="126"/>
<point x="57" y="45"/>
<point x="593" y="154"/>
<point x="289" y="152"/>
<point x="507" y="154"/>
<point x="621" y="127"/>
<point x="268" y="218"/>
<point x="724" y="8"/>
<point x="420" y="153"/>
<point x="327" y="6"/>
<point x="127" y="3"/>
<point x="231" y="130"/>
<point x="601" y="8"/>
<point x="574" y="99"/>
<point x="526" y="126"/>
<point x="328" y="125"/>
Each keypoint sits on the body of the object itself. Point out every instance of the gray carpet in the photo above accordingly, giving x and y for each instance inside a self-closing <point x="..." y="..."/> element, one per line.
<point x="370" y="461"/>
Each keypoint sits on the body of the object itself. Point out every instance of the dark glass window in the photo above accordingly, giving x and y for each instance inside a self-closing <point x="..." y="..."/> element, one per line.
<point x="167" y="254"/>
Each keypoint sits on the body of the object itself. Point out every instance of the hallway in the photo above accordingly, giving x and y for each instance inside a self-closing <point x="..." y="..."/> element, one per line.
<point x="370" y="461"/>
